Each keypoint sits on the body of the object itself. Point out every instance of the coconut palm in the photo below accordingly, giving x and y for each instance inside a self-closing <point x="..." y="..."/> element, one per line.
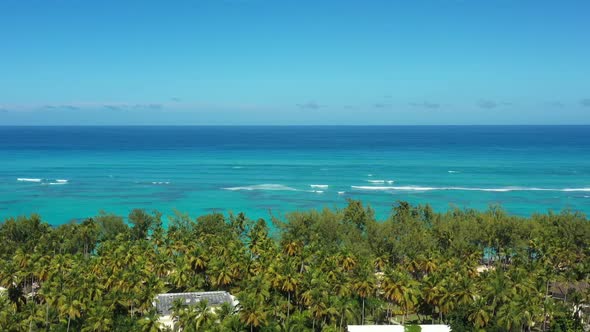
<point x="98" y="318"/>
<point x="69" y="305"/>
<point x="480" y="313"/>
<point x="364" y="285"/>
<point x="252" y="311"/>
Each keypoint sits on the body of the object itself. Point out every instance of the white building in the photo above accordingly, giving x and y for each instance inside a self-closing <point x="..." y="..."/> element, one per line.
<point x="164" y="302"/>
<point x="397" y="328"/>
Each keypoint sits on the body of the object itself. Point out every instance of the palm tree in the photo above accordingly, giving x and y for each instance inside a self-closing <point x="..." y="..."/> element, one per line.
<point x="345" y="307"/>
<point x="204" y="315"/>
<point x="347" y="261"/>
<point x="252" y="311"/>
<point x="399" y="287"/>
<point x="288" y="282"/>
<point x="509" y="316"/>
<point x="431" y="294"/>
<point x="99" y="318"/>
<point x="297" y="322"/>
<point x="233" y="323"/>
<point x="177" y="312"/>
<point x="220" y="275"/>
<point x="462" y="288"/>
<point x="292" y="248"/>
<point x="318" y="308"/>
<point x="480" y="314"/>
<point x="34" y="315"/>
<point x="259" y="287"/>
<point x="69" y="304"/>
<point x="364" y="285"/>
<point x="224" y="311"/>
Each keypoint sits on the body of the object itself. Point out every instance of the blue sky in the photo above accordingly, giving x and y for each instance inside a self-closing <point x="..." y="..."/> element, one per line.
<point x="294" y="62"/>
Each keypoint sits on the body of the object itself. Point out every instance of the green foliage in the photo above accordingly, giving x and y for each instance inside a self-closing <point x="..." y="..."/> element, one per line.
<point x="356" y="215"/>
<point x="315" y="270"/>
<point x="21" y="232"/>
<point x="143" y="223"/>
<point x="110" y="226"/>
<point x="412" y="328"/>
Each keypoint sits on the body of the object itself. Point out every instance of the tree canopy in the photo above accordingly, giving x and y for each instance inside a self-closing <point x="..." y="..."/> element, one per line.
<point x="312" y="270"/>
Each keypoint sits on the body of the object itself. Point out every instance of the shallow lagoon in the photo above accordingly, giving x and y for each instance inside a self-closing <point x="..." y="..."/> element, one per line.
<point x="67" y="173"/>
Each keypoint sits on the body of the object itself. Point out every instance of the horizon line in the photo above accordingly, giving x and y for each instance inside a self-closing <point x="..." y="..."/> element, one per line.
<point x="296" y="125"/>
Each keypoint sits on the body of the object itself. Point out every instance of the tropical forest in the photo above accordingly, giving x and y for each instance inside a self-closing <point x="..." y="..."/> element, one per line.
<point x="317" y="270"/>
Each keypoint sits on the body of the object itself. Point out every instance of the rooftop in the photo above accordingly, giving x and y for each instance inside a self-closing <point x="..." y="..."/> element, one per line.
<point x="396" y="328"/>
<point x="561" y="290"/>
<point x="164" y="301"/>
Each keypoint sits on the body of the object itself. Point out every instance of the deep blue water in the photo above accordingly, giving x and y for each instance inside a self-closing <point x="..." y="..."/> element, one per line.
<point x="262" y="170"/>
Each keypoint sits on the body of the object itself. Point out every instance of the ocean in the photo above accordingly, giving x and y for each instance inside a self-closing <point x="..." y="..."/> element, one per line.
<point x="70" y="173"/>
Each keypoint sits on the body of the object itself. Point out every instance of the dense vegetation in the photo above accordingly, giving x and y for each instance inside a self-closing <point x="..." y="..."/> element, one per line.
<point x="317" y="270"/>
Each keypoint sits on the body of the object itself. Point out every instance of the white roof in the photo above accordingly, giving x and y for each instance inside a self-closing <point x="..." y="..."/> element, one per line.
<point x="164" y="302"/>
<point x="396" y="328"/>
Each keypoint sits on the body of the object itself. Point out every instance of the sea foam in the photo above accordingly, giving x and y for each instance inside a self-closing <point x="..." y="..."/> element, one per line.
<point x="266" y="186"/>
<point x="28" y="180"/>
<point x="503" y="189"/>
<point x="321" y="186"/>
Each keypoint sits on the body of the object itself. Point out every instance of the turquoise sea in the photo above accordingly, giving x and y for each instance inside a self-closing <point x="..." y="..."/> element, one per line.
<point x="66" y="173"/>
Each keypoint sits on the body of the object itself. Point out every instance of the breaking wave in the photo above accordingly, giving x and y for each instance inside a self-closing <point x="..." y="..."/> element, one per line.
<point x="28" y="180"/>
<point x="503" y="189"/>
<point x="321" y="186"/>
<point x="380" y="181"/>
<point x="43" y="181"/>
<point x="268" y="186"/>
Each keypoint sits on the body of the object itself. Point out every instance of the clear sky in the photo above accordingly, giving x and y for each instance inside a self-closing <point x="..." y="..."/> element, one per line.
<point x="294" y="62"/>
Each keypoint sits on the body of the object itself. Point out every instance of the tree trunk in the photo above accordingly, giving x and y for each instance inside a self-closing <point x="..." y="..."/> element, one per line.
<point x="288" y="306"/>
<point x="69" y="319"/>
<point x="388" y="313"/>
<point x="363" y="314"/>
<point x="47" y="314"/>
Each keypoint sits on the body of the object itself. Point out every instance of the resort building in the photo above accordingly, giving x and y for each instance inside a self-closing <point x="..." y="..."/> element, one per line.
<point x="397" y="328"/>
<point x="561" y="290"/>
<point x="164" y="302"/>
<point x="572" y="292"/>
